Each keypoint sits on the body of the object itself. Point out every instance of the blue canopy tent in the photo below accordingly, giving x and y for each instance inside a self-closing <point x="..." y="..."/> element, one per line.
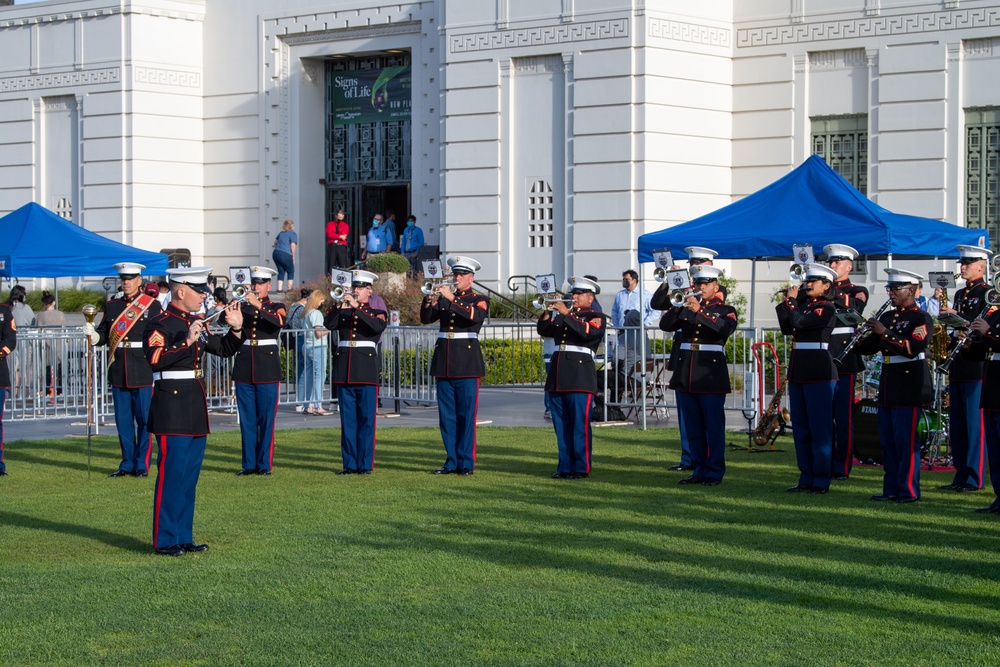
<point x="37" y="243"/>
<point x="812" y="204"/>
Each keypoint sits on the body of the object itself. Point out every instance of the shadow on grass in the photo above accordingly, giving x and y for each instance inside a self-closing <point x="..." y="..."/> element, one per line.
<point x="117" y="540"/>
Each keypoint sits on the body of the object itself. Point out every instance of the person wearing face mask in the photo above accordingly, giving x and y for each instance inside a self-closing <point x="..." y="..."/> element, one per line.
<point x="411" y="241"/>
<point x="628" y="299"/>
<point x="377" y="240"/>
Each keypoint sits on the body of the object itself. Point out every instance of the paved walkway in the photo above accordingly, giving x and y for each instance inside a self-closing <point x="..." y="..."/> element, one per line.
<point x="497" y="406"/>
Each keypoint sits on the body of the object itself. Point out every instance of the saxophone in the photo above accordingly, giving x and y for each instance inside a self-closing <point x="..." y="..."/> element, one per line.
<point x="939" y="340"/>
<point x="773" y="418"/>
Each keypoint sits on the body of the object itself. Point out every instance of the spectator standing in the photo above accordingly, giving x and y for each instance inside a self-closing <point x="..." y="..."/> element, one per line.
<point x="23" y="315"/>
<point x="164" y="297"/>
<point x="51" y="317"/>
<point x="411" y="241"/>
<point x="285" y="244"/>
<point x="337" y="231"/>
<point x="934" y="303"/>
<point x="377" y="241"/>
<point x="628" y="299"/>
<point x="316" y="348"/>
<point x="294" y="324"/>
<point x="390" y="229"/>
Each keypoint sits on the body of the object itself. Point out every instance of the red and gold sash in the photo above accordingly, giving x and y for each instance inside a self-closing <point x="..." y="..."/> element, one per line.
<point x="124" y="323"/>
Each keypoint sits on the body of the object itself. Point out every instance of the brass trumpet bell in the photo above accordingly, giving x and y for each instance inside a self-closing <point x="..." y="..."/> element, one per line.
<point x="541" y="302"/>
<point x="995" y="263"/>
<point x="796" y="272"/>
<point x="241" y="291"/>
<point x="338" y="293"/>
<point x="660" y="274"/>
<point x="429" y="287"/>
<point x="679" y="296"/>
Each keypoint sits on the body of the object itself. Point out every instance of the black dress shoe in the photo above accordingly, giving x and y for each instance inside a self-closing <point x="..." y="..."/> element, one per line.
<point x="680" y="467"/>
<point x="907" y="499"/>
<point x="264" y="472"/>
<point x="141" y="473"/>
<point x="840" y="478"/>
<point x="711" y="482"/>
<point x="992" y="509"/>
<point x="246" y="471"/>
<point x="560" y="475"/>
<point x="194" y="547"/>
<point x="175" y="550"/>
<point x="818" y="489"/>
<point x="579" y="475"/>
<point x="797" y="488"/>
<point x="345" y="471"/>
<point x="444" y="471"/>
<point x="882" y="498"/>
<point x="465" y="471"/>
<point x="949" y="487"/>
<point x="692" y="480"/>
<point x="362" y="472"/>
<point x="120" y="473"/>
<point x="966" y="488"/>
<point x="3" y="472"/>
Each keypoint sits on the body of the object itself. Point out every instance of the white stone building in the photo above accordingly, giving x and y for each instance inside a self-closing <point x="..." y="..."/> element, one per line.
<point x="542" y="135"/>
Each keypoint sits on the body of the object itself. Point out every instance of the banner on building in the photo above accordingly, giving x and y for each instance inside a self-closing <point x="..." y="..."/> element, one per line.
<point x="372" y="95"/>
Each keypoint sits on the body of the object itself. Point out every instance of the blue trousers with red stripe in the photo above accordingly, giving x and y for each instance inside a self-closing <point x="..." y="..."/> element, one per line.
<point x="131" y="412"/>
<point x="258" y="405"/>
<point x="965" y="419"/>
<point x="991" y="429"/>
<point x="179" y="465"/>
<point x="358" y="407"/>
<point x="811" y="404"/>
<point x="458" y="403"/>
<point x="704" y="417"/>
<point x="843" y="425"/>
<point x="897" y="430"/>
<point x="3" y="398"/>
<point x="571" y="419"/>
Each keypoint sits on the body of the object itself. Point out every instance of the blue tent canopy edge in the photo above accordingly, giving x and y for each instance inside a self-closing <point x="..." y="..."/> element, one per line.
<point x="37" y="243"/>
<point x="812" y="204"/>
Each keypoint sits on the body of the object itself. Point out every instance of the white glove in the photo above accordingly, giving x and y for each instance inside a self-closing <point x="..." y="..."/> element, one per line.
<point x="88" y="329"/>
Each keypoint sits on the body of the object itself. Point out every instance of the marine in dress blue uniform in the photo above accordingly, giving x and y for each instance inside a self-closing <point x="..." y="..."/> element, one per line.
<point x="457" y="363"/>
<point x="901" y="336"/>
<point x="696" y="256"/>
<point x="701" y="376"/>
<point x="174" y="344"/>
<point x="812" y="376"/>
<point x="356" y="368"/>
<point x="985" y="346"/>
<point x="965" y="378"/>
<point x="853" y="297"/>
<point x="122" y="328"/>
<point x="8" y="341"/>
<point x="257" y="372"/>
<point x="572" y="378"/>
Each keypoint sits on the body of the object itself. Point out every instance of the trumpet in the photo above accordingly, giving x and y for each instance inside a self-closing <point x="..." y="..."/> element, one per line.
<point x="430" y="287"/>
<point x="660" y="274"/>
<point x="995" y="263"/>
<point x="240" y="293"/>
<point x="338" y="293"/>
<point x="679" y="296"/>
<point x="541" y="302"/>
<point x="797" y="272"/>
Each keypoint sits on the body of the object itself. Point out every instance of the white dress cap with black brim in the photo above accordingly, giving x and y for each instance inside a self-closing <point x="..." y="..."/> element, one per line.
<point x="973" y="252"/>
<point x="261" y="274"/>
<point x="902" y="277"/>
<point x="461" y="264"/>
<point x="700" y="254"/>
<point x="819" y="272"/>
<point x="195" y="277"/>
<point x="361" y="278"/>
<point x="705" y="274"/>
<point x="130" y="269"/>
<point x="837" y="251"/>
<point x="579" y="285"/>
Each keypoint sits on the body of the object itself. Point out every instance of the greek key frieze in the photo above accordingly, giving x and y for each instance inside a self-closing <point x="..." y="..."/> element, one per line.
<point x="552" y="34"/>
<point x="61" y="80"/>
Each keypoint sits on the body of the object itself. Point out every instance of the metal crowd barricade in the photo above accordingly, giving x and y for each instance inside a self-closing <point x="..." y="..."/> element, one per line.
<point x="48" y="373"/>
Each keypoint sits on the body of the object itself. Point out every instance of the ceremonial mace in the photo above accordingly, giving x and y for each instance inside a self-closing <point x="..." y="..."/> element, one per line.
<point x="89" y="313"/>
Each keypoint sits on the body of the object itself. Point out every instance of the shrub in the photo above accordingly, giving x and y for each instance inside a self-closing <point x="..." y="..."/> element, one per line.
<point x="387" y="262"/>
<point x="70" y="300"/>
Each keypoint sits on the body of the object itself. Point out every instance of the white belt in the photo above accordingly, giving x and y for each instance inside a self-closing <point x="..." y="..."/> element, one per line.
<point x="811" y="346"/>
<point x="356" y="343"/>
<point x="177" y="375"/>
<point x="842" y="330"/>
<point x="452" y="334"/>
<point x="699" y="347"/>
<point x="900" y="359"/>
<point x="255" y="342"/>
<point x="125" y="344"/>
<point x="574" y="348"/>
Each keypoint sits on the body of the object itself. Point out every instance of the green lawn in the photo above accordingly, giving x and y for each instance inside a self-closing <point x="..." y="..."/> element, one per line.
<point x="506" y="567"/>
